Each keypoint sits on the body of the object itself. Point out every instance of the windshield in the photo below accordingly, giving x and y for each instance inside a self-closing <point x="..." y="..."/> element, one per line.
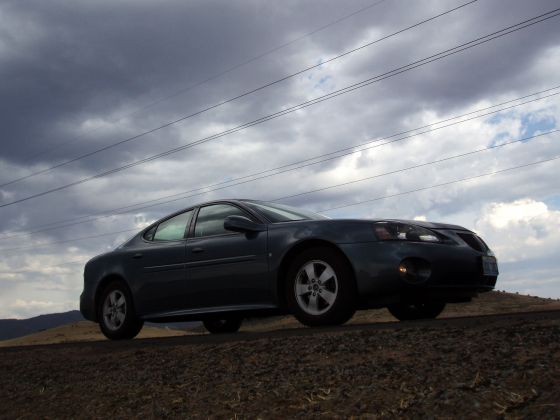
<point x="280" y="213"/>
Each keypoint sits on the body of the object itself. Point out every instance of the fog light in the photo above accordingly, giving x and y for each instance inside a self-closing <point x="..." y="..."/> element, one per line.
<point x="415" y="270"/>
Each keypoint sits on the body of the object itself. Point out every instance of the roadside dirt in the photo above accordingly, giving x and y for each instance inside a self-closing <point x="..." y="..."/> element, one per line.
<point x="487" y="303"/>
<point x="481" y="367"/>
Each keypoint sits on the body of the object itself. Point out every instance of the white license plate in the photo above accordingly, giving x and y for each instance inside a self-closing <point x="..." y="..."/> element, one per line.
<point x="489" y="266"/>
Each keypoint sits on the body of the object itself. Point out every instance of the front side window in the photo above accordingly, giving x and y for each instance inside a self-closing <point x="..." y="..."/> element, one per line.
<point x="173" y="229"/>
<point x="210" y="220"/>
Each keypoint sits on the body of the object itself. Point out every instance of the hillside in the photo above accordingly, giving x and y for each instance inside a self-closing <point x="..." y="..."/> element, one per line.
<point x="82" y="331"/>
<point x="494" y="366"/>
<point x="495" y="302"/>
<point x="489" y="303"/>
<point x="44" y="329"/>
<point x="11" y="328"/>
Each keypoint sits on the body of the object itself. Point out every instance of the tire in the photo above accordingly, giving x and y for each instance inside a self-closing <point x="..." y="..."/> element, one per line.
<point x="412" y="311"/>
<point x="117" y="318"/>
<point x="222" y="326"/>
<point x="320" y="288"/>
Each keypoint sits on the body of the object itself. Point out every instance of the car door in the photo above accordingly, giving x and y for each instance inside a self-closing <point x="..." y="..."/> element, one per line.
<point x="226" y="268"/>
<point x="159" y="266"/>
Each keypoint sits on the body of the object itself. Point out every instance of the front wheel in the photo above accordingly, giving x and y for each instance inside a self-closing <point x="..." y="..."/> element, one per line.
<point x="320" y="288"/>
<point x="222" y="326"/>
<point x="117" y="318"/>
<point x="412" y="311"/>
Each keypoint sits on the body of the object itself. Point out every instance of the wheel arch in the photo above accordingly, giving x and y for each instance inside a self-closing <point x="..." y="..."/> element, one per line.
<point x="292" y="254"/>
<point x="109" y="278"/>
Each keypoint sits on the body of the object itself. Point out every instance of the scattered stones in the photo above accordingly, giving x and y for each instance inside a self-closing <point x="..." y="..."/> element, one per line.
<point x="492" y="369"/>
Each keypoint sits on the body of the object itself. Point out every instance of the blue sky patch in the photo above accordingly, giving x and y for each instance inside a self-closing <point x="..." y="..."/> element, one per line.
<point x="533" y="124"/>
<point x="553" y="202"/>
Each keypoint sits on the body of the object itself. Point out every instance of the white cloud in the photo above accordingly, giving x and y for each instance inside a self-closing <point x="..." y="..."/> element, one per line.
<point x="27" y="308"/>
<point x="90" y="78"/>
<point x="520" y="230"/>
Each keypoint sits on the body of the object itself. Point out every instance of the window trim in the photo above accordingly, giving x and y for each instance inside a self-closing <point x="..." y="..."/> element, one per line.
<point x="159" y="222"/>
<point x="191" y="234"/>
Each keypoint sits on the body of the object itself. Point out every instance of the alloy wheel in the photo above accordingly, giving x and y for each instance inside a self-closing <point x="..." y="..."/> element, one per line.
<point x="316" y="287"/>
<point x="114" y="310"/>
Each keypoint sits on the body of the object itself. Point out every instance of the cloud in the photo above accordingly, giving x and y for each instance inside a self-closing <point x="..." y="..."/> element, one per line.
<point x="85" y="75"/>
<point x="28" y="308"/>
<point x="521" y="230"/>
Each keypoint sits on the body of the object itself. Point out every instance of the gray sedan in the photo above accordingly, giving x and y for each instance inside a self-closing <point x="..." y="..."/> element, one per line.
<point x="222" y="261"/>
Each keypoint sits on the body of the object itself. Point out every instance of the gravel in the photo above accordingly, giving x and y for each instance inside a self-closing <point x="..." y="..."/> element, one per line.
<point x="488" y="367"/>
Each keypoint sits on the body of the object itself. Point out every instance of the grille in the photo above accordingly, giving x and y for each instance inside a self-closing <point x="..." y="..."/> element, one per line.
<point x="473" y="241"/>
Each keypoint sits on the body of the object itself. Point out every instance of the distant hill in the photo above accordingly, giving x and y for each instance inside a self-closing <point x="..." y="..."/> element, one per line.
<point x="70" y="326"/>
<point x="12" y="328"/>
<point x="82" y="331"/>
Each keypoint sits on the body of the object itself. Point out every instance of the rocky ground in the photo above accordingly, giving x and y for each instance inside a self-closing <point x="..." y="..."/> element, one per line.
<point x="481" y="367"/>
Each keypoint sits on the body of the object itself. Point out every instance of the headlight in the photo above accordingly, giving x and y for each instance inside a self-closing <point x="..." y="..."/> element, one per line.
<point x="395" y="231"/>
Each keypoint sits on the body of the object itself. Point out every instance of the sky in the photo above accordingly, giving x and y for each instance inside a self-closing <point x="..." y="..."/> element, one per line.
<point x="95" y="93"/>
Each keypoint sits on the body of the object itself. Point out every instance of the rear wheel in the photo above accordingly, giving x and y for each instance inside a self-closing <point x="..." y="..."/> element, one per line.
<point x="320" y="288"/>
<point x="223" y="326"/>
<point x="117" y="318"/>
<point x="412" y="311"/>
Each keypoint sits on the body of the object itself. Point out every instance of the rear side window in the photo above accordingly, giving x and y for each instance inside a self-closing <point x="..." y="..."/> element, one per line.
<point x="173" y="229"/>
<point x="210" y="220"/>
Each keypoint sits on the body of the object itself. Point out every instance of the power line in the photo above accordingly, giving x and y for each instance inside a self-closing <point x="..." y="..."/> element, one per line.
<point x="420" y="165"/>
<point x="217" y="75"/>
<point x="247" y="93"/>
<point x="440" y="185"/>
<point x="69" y="240"/>
<point x="419" y="63"/>
<point x="324" y="188"/>
<point x="286" y="167"/>
<point x="43" y="268"/>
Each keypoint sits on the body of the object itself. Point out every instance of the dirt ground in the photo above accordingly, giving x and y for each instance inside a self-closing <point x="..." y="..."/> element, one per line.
<point x="481" y="367"/>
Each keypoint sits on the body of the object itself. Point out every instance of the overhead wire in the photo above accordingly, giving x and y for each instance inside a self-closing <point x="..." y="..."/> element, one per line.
<point x="420" y="165"/>
<point x="443" y="184"/>
<point x="216" y="75"/>
<point x="244" y="94"/>
<point x="284" y="168"/>
<point x="416" y="64"/>
<point x="42" y="268"/>
<point x="448" y="158"/>
<point x="43" y="245"/>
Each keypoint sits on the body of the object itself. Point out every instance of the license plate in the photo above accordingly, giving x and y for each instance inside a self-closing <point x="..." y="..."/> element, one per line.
<point x="489" y="266"/>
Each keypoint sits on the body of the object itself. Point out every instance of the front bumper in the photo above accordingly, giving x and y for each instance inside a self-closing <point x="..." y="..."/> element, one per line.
<point x="87" y="306"/>
<point x="455" y="272"/>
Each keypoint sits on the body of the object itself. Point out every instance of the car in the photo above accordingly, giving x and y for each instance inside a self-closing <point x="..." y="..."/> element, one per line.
<point x="223" y="261"/>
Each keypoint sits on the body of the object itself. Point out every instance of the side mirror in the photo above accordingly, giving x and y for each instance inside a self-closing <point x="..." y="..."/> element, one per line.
<point x="242" y="224"/>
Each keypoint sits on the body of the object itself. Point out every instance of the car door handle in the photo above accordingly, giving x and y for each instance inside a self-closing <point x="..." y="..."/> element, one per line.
<point x="197" y="250"/>
<point x="137" y="256"/>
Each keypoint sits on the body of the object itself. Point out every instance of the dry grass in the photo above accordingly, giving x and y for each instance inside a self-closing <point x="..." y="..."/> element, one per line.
<point x="485" y="304"/>
<point x="81" y="331"/>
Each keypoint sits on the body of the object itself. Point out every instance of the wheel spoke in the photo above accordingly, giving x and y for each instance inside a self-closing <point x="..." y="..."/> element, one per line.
<point x="120" y="317"/>
<point x="310" y="270"/>
<point x="313" y="304"/>
<point x="327" y="274"/>
<point x="328" y="296"/>
<point x="121" y="301"/>
<point x="112" y="298"/>
<point x="301" y="289"/>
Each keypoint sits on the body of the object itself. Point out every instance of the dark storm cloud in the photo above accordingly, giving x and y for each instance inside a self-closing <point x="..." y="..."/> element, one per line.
<point x="84" y="72"/>
<point x="98" y="60"/>
<point x="106" y="60"/>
